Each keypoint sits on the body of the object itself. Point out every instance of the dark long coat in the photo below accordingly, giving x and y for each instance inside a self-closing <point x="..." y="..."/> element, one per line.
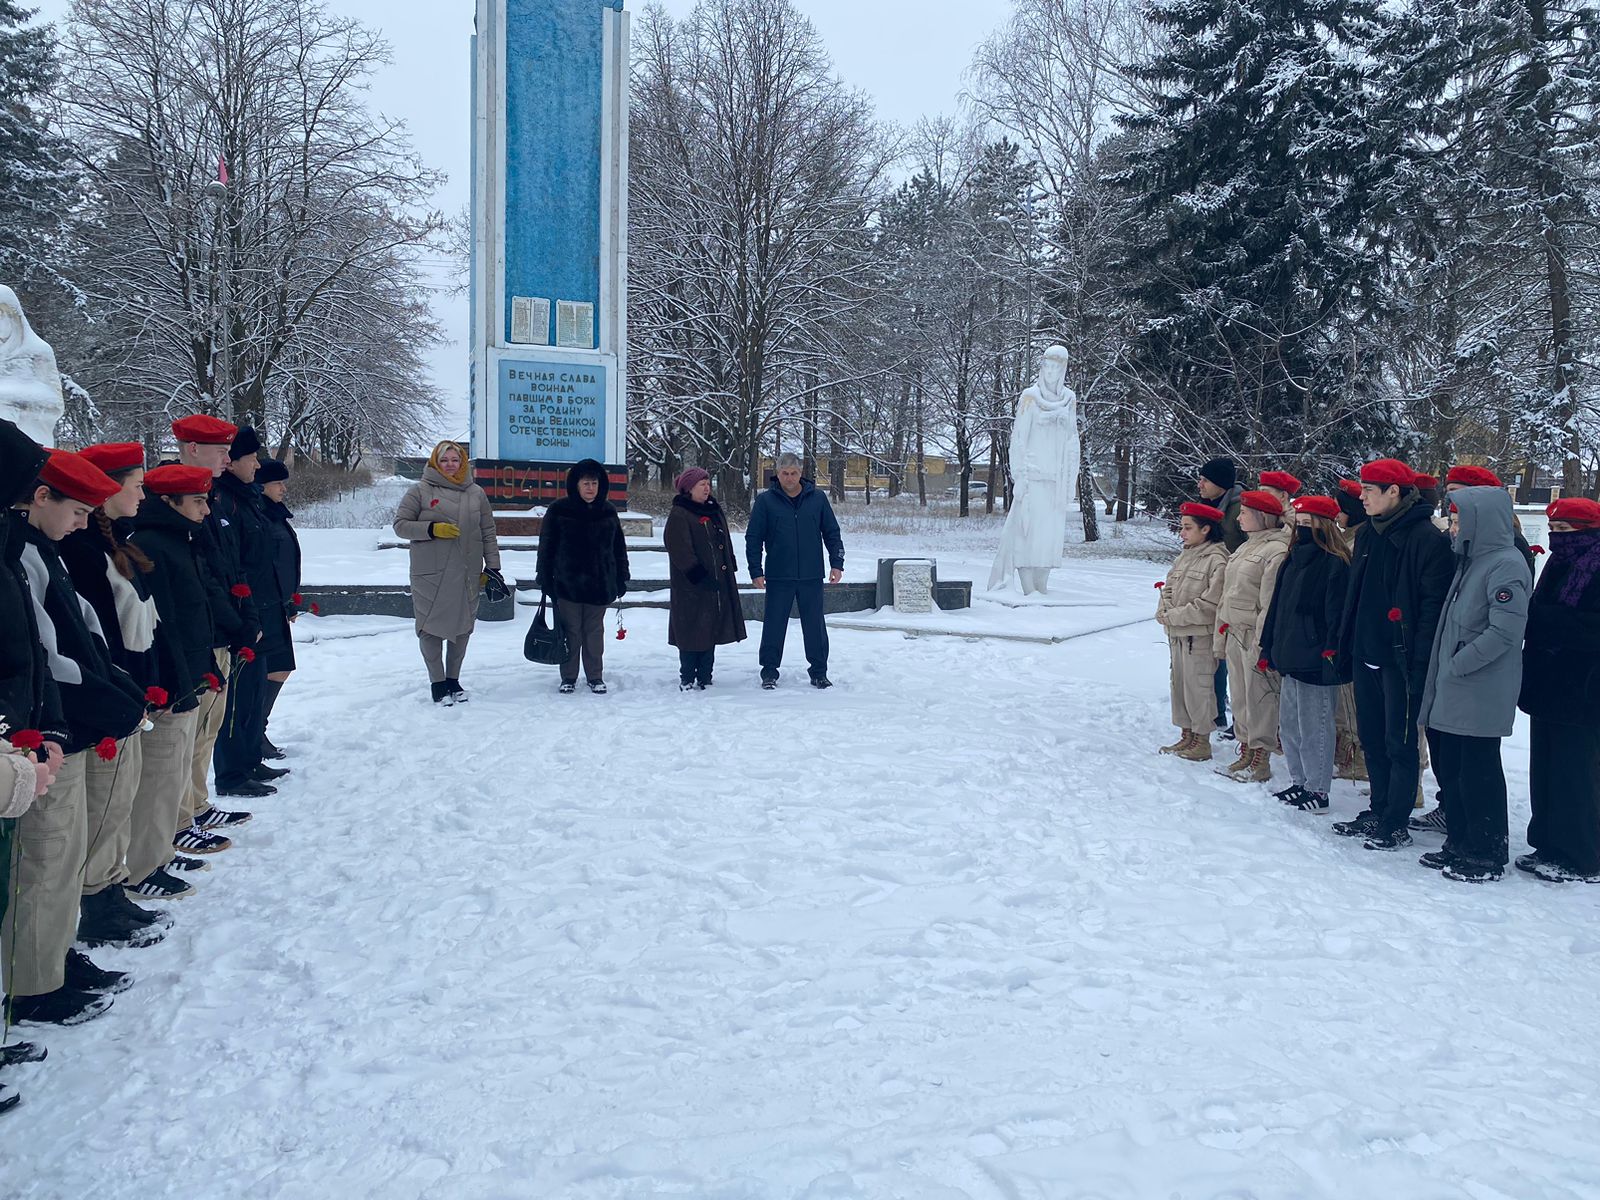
<point x="705" y="588"/>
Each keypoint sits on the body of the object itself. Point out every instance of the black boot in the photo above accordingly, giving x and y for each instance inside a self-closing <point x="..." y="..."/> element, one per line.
<point x="102" y="922"/>
<point x="269" y="697"/>
<point x="442" y="694"/>
<point x="9" y="1098"/>
<point x="456" y="690"/>
<point x="136" y="913"/>
<point x="15" y="1053"/>
<point x="84" y="976"/>
<point x="64" y="1006"/>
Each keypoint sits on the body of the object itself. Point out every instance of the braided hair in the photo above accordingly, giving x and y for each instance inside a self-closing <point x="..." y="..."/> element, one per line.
<point x="125" y="556"/>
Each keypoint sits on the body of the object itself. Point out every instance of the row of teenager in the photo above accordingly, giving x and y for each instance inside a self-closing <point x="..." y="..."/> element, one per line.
<point x="144" y="639"/>
<point x="1429" y="631"/>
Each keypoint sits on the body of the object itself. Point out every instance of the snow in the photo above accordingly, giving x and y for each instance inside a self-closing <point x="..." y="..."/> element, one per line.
<point x="951" y="931"/>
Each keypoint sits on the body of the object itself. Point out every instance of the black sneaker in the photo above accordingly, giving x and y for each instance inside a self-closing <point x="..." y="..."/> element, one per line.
<point x="101" y="922"/>
<point x="64" y="1006"/>
<point x="686" y="685"/>
<point x="195" y="840"/>
<point x="1463" y="871"/>
<point x="597" y="686"/>
<point x="1290" y="794"/>
<point x="159" y="885"/>
<point x="568" y="686"/>
<point x="181" y="864"/>
<point x="83" y="976"/>
<point x="220" y="818"/>
<point x="14" y="1054"/>
<point x="1398" y="840"/>
<point x="443" y="695"/>
<point x="249" y="789"/>
<point x="9" y="1098"/>
<point x="1311" y="802"/>
<point x="1554" y="872"/>
<point x="261" y="773"/>
<point x="456" y="690"/>
<point x="1431" y="821"/>
<point x="1365" y="825"/>
<point x="769" y="685"/>
<point x="1437" y="860"/>
<point x="821" y="682"/>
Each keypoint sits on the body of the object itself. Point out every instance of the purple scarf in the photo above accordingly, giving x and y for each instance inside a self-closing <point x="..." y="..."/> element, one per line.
<point x="1580" y="551"/>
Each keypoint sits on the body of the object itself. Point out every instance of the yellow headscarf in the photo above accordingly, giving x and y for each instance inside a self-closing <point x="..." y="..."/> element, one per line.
<point x="461" y="476"/>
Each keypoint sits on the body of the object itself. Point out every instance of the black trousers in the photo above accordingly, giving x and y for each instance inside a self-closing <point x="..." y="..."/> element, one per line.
<point x="238" y="749"/>
<point x="585" y="627"/>
<point x="1386" y="722"/>
<point x="781" y="595"/>
<point x="695" y="666"/>
<point x="1470" y="772"/>
<point x="1564" y="784"/>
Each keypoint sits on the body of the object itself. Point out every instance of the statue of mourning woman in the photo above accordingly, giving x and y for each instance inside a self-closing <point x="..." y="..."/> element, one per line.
<point x="1044" y="476"/>
<point x="30" y="385"/>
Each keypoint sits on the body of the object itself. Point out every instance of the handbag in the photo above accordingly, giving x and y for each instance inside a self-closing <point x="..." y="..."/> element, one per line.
<point x="544" y="644"/>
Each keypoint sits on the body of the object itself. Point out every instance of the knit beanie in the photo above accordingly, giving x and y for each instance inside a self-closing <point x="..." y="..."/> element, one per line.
<point x="1221" y="472"/>
<point x="685" y="482"/>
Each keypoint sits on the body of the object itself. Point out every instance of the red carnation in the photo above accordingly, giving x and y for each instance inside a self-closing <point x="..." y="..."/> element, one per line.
<point x="1263" y="665"/>
<point x="316" y="609"/>
<point x="705" y="520"/>
<point x="622" y="634"/>
<point x="1395" y="614"/>
<point x="247" y="655"/>
<point x="27" y="739"/>
<point x="1223" y="628"/>
<point x="1161" y="585"/>
<point x="212" y="682"/>
<point x="1537" y="549"/>
<point x="434" y="503"/>
<point x="240" y="591"/>
<point x="1330" y="655"/>
<point x="296" y="599"/>
<point x="106" y="748"/>
<point x="156" y="697"/>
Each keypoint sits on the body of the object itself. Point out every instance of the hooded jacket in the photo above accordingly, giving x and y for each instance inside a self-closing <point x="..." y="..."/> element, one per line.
<point x="446" y="573"/>
<point x="583" y="553"/>
<point x="787" y="534"/>
<point x="28" y="696"/>
<point x="1476" y="672"/>
<point x="185" y="635"/>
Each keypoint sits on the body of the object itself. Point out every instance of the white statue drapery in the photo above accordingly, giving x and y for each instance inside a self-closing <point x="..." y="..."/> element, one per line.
<point x="1044" y="474"/>
<point x="30" y="385"/>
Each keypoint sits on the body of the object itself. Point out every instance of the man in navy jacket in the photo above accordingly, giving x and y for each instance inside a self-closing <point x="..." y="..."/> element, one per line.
<point x="790" y="524"/>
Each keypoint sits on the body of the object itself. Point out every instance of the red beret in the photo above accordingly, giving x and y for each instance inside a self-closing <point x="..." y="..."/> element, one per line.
<point x="1575" y="510"/>
<point x="208" y="431"/>
<point x="1263" y="502"/>
<point x="1201" y="512"/>
<point x="1427" y="481"/>
<point x="1388" y="472"/>
<point x="1349" y="487"/>
<point x="114" y="456"/>
<point x="175" y="480"/>
<point x="1473" y="476"/>
<point x="78" y="478"/>
<point x="1281" y="480"/>
<point x="1317" y="506"/>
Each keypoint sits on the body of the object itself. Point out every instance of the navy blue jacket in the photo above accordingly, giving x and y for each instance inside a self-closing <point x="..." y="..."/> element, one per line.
<point x="786" y="536"/>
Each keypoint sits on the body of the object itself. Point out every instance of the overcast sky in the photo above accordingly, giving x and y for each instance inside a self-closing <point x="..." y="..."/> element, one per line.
<point x="909" y="55"/>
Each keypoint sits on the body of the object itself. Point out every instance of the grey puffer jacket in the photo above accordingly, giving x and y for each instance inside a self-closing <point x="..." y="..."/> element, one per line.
<point x="1475" y="674"/>
<point x="445" y="572"/>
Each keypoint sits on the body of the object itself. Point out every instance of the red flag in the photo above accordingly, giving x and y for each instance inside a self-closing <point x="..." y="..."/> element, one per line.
<point x="222" y="169"/>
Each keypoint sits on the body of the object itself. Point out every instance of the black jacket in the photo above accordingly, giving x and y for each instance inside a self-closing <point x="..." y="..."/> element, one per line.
<point x="98" y="698"/>
<point x="222" y="570"/>
<point x="185" y="636"/>
<point x="28" y="697"/>
<point x="282" y="575"/>
<point x="583" y="553"/>
<point x="786" y="536"/>
<point x="1416" y="567"/>
<point x="1561" y="656"/>
<point x="1307" y="612"/>
<point x="87" y="561"/>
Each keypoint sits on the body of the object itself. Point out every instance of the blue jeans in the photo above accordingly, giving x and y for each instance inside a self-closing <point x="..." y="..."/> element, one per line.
<point x="1220" y="682"/>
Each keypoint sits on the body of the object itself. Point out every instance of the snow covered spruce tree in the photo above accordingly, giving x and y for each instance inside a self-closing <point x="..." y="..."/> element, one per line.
<point x="36" y="186"/>
<point x="251" y="220"/>
<point x="1498" y="209"/>
<point x="1255" y="164"/>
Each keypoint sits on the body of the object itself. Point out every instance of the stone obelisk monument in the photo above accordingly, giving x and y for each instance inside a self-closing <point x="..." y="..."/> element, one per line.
<point x="549" y="244"/>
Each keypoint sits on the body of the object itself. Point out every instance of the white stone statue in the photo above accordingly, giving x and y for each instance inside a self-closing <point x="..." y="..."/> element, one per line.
<point x="30" y="384"/>
<point x="1044" y="475"/>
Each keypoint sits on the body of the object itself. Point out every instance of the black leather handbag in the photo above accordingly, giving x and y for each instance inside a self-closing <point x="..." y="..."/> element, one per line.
<point x="544" y="644"/>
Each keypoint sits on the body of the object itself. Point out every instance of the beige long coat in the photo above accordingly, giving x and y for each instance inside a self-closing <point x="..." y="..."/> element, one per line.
<point x="445" y="572"/>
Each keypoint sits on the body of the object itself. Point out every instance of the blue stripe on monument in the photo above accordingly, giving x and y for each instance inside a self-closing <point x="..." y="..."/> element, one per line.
<point x="554" y="53"/>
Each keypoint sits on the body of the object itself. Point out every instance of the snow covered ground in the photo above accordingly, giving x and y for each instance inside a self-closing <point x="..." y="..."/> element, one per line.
<point x="951" y="931"/>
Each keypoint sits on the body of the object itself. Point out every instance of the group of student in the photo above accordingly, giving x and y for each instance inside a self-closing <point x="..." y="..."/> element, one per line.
<point x="144" y="637"/>
<point x="1424" y="630"/>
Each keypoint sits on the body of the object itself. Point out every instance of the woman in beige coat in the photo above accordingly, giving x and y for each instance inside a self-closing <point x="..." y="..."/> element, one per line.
<point x="1188" y="610"/>
<point x="1246" y="597"/>
<point x="450" y="525"/>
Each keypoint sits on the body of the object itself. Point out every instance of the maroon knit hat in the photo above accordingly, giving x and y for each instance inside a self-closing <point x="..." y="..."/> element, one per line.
<point x="685" y="482"/>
